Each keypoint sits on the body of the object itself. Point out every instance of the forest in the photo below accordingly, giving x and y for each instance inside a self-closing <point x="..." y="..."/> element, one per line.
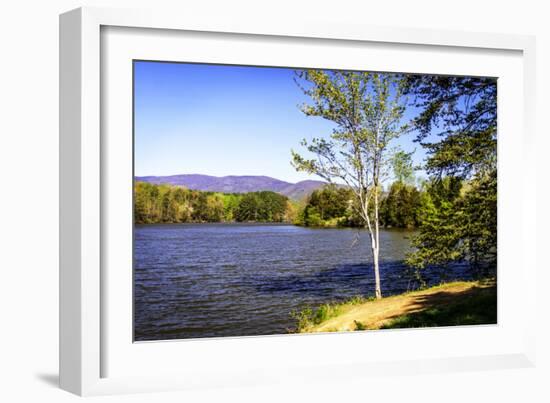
<point x="155" y="204"/>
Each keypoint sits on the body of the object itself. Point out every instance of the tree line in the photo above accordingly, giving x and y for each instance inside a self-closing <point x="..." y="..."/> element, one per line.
<point x="175" y="204"/>
<point x="333" y="206"/>
<point x="329" y="206"/>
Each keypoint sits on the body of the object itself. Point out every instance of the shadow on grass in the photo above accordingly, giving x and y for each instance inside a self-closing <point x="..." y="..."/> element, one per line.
<point x="475" y="306"/>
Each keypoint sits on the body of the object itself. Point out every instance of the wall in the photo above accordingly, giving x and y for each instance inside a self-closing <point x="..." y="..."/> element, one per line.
<point x="28" y="200"/>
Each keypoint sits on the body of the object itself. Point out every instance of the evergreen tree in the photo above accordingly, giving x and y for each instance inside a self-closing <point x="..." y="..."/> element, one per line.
<point x="462" y="111"/>
<point x="439" y="239"/>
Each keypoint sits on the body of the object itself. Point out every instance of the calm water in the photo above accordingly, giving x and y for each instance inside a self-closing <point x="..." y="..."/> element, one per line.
<point x="209" y="280"/>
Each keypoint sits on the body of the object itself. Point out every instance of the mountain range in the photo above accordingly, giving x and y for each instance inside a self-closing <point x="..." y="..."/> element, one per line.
<point x="237" y="184"/>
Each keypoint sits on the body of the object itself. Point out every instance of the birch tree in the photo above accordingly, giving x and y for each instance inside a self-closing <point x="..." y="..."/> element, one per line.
<point x="367" y="110"/>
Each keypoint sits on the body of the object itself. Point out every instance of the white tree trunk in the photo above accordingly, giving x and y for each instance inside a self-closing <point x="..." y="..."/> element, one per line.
<point x="374" y="232"/>
<point x="377" y="289"/>
<point x="376" y="245"/>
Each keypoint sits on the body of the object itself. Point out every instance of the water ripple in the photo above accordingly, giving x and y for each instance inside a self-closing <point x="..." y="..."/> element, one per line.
<point x="213" y="280"/>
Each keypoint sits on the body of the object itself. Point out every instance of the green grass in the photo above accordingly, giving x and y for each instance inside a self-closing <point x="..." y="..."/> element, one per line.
<point x="359" y="325"/>
<point x="475" y="309"/>
<point x="309" y="317"/>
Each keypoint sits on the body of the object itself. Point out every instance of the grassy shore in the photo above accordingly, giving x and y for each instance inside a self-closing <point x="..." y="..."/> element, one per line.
<point x="449" y="304"/>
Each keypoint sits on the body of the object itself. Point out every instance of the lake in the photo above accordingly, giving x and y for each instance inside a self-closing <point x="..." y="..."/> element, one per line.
<point x="211" y="280"/>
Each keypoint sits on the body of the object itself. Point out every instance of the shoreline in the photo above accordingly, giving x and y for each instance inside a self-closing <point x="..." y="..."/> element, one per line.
<point x="449" y="304"/>
<point x="274" y="224"/>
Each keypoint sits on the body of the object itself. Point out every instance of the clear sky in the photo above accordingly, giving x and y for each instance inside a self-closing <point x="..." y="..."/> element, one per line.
<point x="222" y="120"/>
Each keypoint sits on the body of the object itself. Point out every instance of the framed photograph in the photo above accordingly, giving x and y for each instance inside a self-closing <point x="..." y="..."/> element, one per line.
<point x="251" y="202"/>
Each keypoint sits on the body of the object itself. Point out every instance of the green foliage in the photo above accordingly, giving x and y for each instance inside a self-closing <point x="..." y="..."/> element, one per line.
<point x="262" y="206"/>
<point x="309" y="317"/>
<point x="401" y="206"/>
<point x="457" y="224"/>
<point x="329" y="207"/>
<point x="175" y="204"/>
<point x="336" y="206"/>
<point x="478" y="212"/>
<point x="230" y="203"/>
<point x="304" y="319"/>
<point x="359" y="325"/>
<point x="330" y="201"/>
<point x="325" y="312"/>
<point x="463" y="110"/>
<point x="438" y="241"/>
<point x="403" y="170"/>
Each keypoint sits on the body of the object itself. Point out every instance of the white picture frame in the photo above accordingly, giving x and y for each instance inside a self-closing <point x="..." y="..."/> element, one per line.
<point x="88" y="340"/>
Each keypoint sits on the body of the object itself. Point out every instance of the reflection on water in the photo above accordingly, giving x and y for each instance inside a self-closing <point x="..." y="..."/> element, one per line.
<point x="209" y="280"/>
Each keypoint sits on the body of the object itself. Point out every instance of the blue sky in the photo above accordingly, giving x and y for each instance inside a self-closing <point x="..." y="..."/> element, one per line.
<point x="222" y="120"/>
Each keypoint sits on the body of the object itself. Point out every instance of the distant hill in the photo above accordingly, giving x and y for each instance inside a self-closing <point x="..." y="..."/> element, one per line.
<point x="237" y="184"/>
<point x="301" y="190"/>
